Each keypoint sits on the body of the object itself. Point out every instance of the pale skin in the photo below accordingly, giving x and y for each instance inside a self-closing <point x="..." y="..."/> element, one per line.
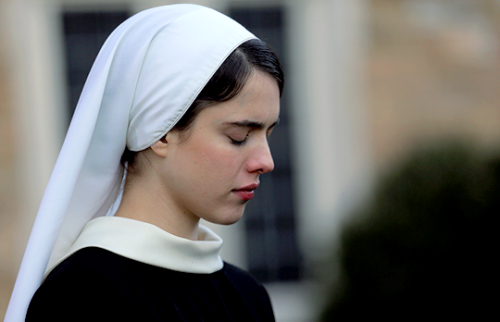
<point x="210" y="171"/>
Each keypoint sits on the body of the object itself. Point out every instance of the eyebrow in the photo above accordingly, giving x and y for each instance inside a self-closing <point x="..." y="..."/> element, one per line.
<point x="253" y="124"/>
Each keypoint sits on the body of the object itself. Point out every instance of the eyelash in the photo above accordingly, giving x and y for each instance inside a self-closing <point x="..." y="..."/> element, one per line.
<point x="238" y="143"/>
<point x="242" y="142"/>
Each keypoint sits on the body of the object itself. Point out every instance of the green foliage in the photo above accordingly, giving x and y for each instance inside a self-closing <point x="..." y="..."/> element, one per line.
<point x="426" y="246"/>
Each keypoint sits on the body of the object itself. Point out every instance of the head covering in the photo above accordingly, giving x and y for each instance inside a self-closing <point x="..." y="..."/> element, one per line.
<point x="147" y="74"/>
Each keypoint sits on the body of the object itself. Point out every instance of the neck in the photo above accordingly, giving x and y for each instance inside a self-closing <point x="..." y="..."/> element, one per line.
<point x="145" y="200"/>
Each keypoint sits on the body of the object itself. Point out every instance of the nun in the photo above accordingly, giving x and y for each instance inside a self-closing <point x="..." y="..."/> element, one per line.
<point x="171" y="127"/>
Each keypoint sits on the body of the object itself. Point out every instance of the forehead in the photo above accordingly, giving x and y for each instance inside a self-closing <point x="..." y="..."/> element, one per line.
<point x="258" y="101"/>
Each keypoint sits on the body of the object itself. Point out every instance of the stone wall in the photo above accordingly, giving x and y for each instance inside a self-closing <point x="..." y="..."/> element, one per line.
<point x="433" y="73"/>
<point x="8" y="187"/>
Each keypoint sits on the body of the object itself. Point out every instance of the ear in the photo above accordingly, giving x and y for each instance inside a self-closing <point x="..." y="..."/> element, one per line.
<point x="160" y="147"/>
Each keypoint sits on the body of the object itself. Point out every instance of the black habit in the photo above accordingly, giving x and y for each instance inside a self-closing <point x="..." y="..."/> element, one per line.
<point x="94" y="284"/>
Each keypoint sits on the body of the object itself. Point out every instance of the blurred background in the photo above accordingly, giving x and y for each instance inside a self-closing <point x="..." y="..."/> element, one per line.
<point x="387" y="154"/>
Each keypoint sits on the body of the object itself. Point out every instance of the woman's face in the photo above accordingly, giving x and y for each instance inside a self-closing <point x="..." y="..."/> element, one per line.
<point x="213" y="172"/>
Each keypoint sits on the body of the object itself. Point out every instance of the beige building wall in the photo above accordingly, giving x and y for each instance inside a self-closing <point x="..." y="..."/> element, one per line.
<point x="433" y="74"/>
<point x="9" y="197"/>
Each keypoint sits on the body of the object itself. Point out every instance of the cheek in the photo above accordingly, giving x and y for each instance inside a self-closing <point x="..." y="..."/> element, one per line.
<point x="212" y="161"/>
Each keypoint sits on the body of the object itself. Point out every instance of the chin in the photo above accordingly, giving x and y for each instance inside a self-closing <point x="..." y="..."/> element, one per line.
<point x="228" y="219"/>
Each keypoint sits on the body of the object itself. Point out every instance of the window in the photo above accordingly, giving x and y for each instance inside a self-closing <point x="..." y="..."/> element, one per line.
<point x="84" y="34"/>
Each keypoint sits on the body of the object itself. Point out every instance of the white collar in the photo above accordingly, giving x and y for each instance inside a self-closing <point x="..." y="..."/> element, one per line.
<point x="150" y="244"/>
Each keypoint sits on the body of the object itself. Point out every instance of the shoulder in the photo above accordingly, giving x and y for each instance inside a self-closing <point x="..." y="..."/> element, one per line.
<point x="252" y="291"/>
<point x="91" y="259"/>
<point x="91" y="266"/>
<point x="89" y="281"/>
<point x="240" y="276"/>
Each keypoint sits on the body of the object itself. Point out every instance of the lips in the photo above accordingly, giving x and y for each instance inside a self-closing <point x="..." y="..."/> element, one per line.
<point x="247" y="192"/>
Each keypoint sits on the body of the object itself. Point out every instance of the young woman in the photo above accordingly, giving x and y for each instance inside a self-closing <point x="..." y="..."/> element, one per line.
<point x="183" y="98"/>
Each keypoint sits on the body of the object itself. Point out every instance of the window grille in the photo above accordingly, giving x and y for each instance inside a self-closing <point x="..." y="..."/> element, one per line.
<point x="84" y="35"/>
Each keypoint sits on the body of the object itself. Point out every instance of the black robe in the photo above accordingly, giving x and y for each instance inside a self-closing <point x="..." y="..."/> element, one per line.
<point x="94" y="284"/>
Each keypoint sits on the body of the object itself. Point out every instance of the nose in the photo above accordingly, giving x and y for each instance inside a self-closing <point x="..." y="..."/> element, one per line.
<point x="261" y="161"/>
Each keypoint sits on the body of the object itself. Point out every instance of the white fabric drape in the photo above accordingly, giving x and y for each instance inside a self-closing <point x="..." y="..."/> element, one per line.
<point x="146" y="75"/>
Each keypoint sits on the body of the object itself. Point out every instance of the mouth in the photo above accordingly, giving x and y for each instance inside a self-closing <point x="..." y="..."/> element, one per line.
<point x="247" y="192"/>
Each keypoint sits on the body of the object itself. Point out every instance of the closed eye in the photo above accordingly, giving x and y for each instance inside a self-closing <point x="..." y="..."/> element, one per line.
<point x="250" y="126"/>
<point x="238" y="142"/>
